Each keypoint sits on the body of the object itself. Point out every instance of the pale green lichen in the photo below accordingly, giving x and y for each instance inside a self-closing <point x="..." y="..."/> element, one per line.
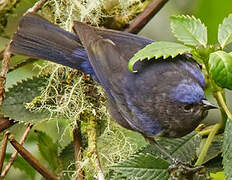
<point x="71" y="94"/>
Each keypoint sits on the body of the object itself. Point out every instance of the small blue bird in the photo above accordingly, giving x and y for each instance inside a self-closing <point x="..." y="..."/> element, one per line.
<point x="165" y="98"/>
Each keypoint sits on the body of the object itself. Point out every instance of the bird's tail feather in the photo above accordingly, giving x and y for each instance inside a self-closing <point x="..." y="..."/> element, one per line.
<point x="36" y="37"/>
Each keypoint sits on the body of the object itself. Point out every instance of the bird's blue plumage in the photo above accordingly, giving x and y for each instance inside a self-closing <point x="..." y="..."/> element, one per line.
<point x="150" y="102"/>
<point x="187" y="92"/>
<point x="192" y="69"/>
<point x="85" y="66"/>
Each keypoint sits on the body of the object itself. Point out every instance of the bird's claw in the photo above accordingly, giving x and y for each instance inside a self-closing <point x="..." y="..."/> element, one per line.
<point x="179" y="169"/>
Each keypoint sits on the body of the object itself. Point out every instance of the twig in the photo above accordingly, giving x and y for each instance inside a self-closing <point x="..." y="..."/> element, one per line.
<point x="5" y="68"/>
<point x="98" y="166"/>
<point x="6" y="123"/>
<point x="3" y="149"/>
<point x="142" y="19"/>
<point x="14" y="155"/>
<point x="77" y="150"/>
<point x="31" y="160"/>
<point x="92" y="141"/>
<point x="37" y="6"/>
<point x="1" y="54"/>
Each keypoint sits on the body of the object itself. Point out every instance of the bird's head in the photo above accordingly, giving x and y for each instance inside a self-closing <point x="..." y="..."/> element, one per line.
<point x="191" y="107"/>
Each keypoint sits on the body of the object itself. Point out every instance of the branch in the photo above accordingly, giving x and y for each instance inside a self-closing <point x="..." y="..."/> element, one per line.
<point x="6" y="123"/>
<point x="5" y="68"/>
<point x="142" y="19"/>
<point x="14" y="155"/>
<point x="77" y="149"/>
<point x="3" y="149"/>
<point x="92" y="148"/>
<point x="37" y="6"/>
<point x="31" y="160"/>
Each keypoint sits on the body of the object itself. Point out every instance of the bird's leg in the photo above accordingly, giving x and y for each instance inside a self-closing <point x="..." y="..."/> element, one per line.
<point x="178" y="166"/>
<point x="161" y="149"/>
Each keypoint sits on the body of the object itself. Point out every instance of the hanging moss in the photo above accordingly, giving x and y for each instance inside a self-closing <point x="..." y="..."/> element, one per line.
<point x="72" y="94"/>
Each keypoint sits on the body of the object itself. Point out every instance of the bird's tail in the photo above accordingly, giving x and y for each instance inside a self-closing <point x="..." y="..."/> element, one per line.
<point x="36" y="37"/>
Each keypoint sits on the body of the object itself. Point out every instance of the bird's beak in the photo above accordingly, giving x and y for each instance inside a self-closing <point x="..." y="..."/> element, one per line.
<point x="207" y="105"/>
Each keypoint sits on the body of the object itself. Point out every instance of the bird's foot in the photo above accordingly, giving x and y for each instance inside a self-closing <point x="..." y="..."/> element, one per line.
<point x="180" y="170"/>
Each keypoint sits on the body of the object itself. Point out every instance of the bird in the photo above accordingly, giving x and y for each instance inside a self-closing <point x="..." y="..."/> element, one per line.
<point x="165" y="98"/>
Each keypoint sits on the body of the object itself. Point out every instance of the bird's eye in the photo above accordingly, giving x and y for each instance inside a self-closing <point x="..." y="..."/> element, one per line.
<point x="188" y="108"/>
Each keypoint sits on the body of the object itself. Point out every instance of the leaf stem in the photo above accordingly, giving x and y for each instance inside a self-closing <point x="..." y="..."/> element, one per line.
<point x="220" y="98"/>
<point x="209" y="140"/>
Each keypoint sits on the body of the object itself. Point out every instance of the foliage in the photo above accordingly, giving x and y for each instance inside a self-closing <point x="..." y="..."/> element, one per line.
<point x="218" y="68"/>
<point x="227" y="146"/>
<point x="62" y="96"/>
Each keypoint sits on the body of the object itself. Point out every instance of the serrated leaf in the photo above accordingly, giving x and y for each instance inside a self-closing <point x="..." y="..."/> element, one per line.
<point x="227" y="149"/>
<point x="48" y="149"/>
<point x="189" y="30"/>
<point x="24" y="92"/>
<point x="26" y="70"/>
<point x="143" y="166"/>
<point x="220" y="67"/>
<point x="225" y="32"/>
<point x="183" y="149"/>
<point x="66" y="156"/>
<point x="156" y="50"/>
<point x="22" y="165"/>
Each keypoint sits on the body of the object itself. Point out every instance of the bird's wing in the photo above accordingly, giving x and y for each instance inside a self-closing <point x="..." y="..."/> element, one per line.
<point x="104" y="55"/>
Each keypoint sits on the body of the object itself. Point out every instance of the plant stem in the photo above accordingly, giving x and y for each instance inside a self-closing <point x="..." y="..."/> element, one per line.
<point x="92" y="148"/>
<point x="209" y="140"/>
<point x="37" y="6"/>
<point x="4" y="70"/>
<point x="77" y="149"/>
<point x="3" y="149"/>
<point x="220" y="98"/>
<point x="14" y="155"/>
<point x="6" y="123"/>
<point x="31" y="160"/>
<point x="142" y="19"/>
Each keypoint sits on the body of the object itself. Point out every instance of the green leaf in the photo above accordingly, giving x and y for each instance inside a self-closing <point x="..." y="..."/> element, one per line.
<point x="48" y="149"/>
<point x="218" y="176"/>
<point x="214" y="150"/>
<point x="16" y="97"/>
<point x="66" y="157"/>
<point x="189" y="30"/>
<point x="22" y="165"/>
<point x="225" y="32"/>
<point x="220" y="67"/>
<point x="183" y="149"/>
<point x="143" y="166"/>
<point x="227" y="149"/>
<point x="23" y="69"/>
<point x="156" y="50"/>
